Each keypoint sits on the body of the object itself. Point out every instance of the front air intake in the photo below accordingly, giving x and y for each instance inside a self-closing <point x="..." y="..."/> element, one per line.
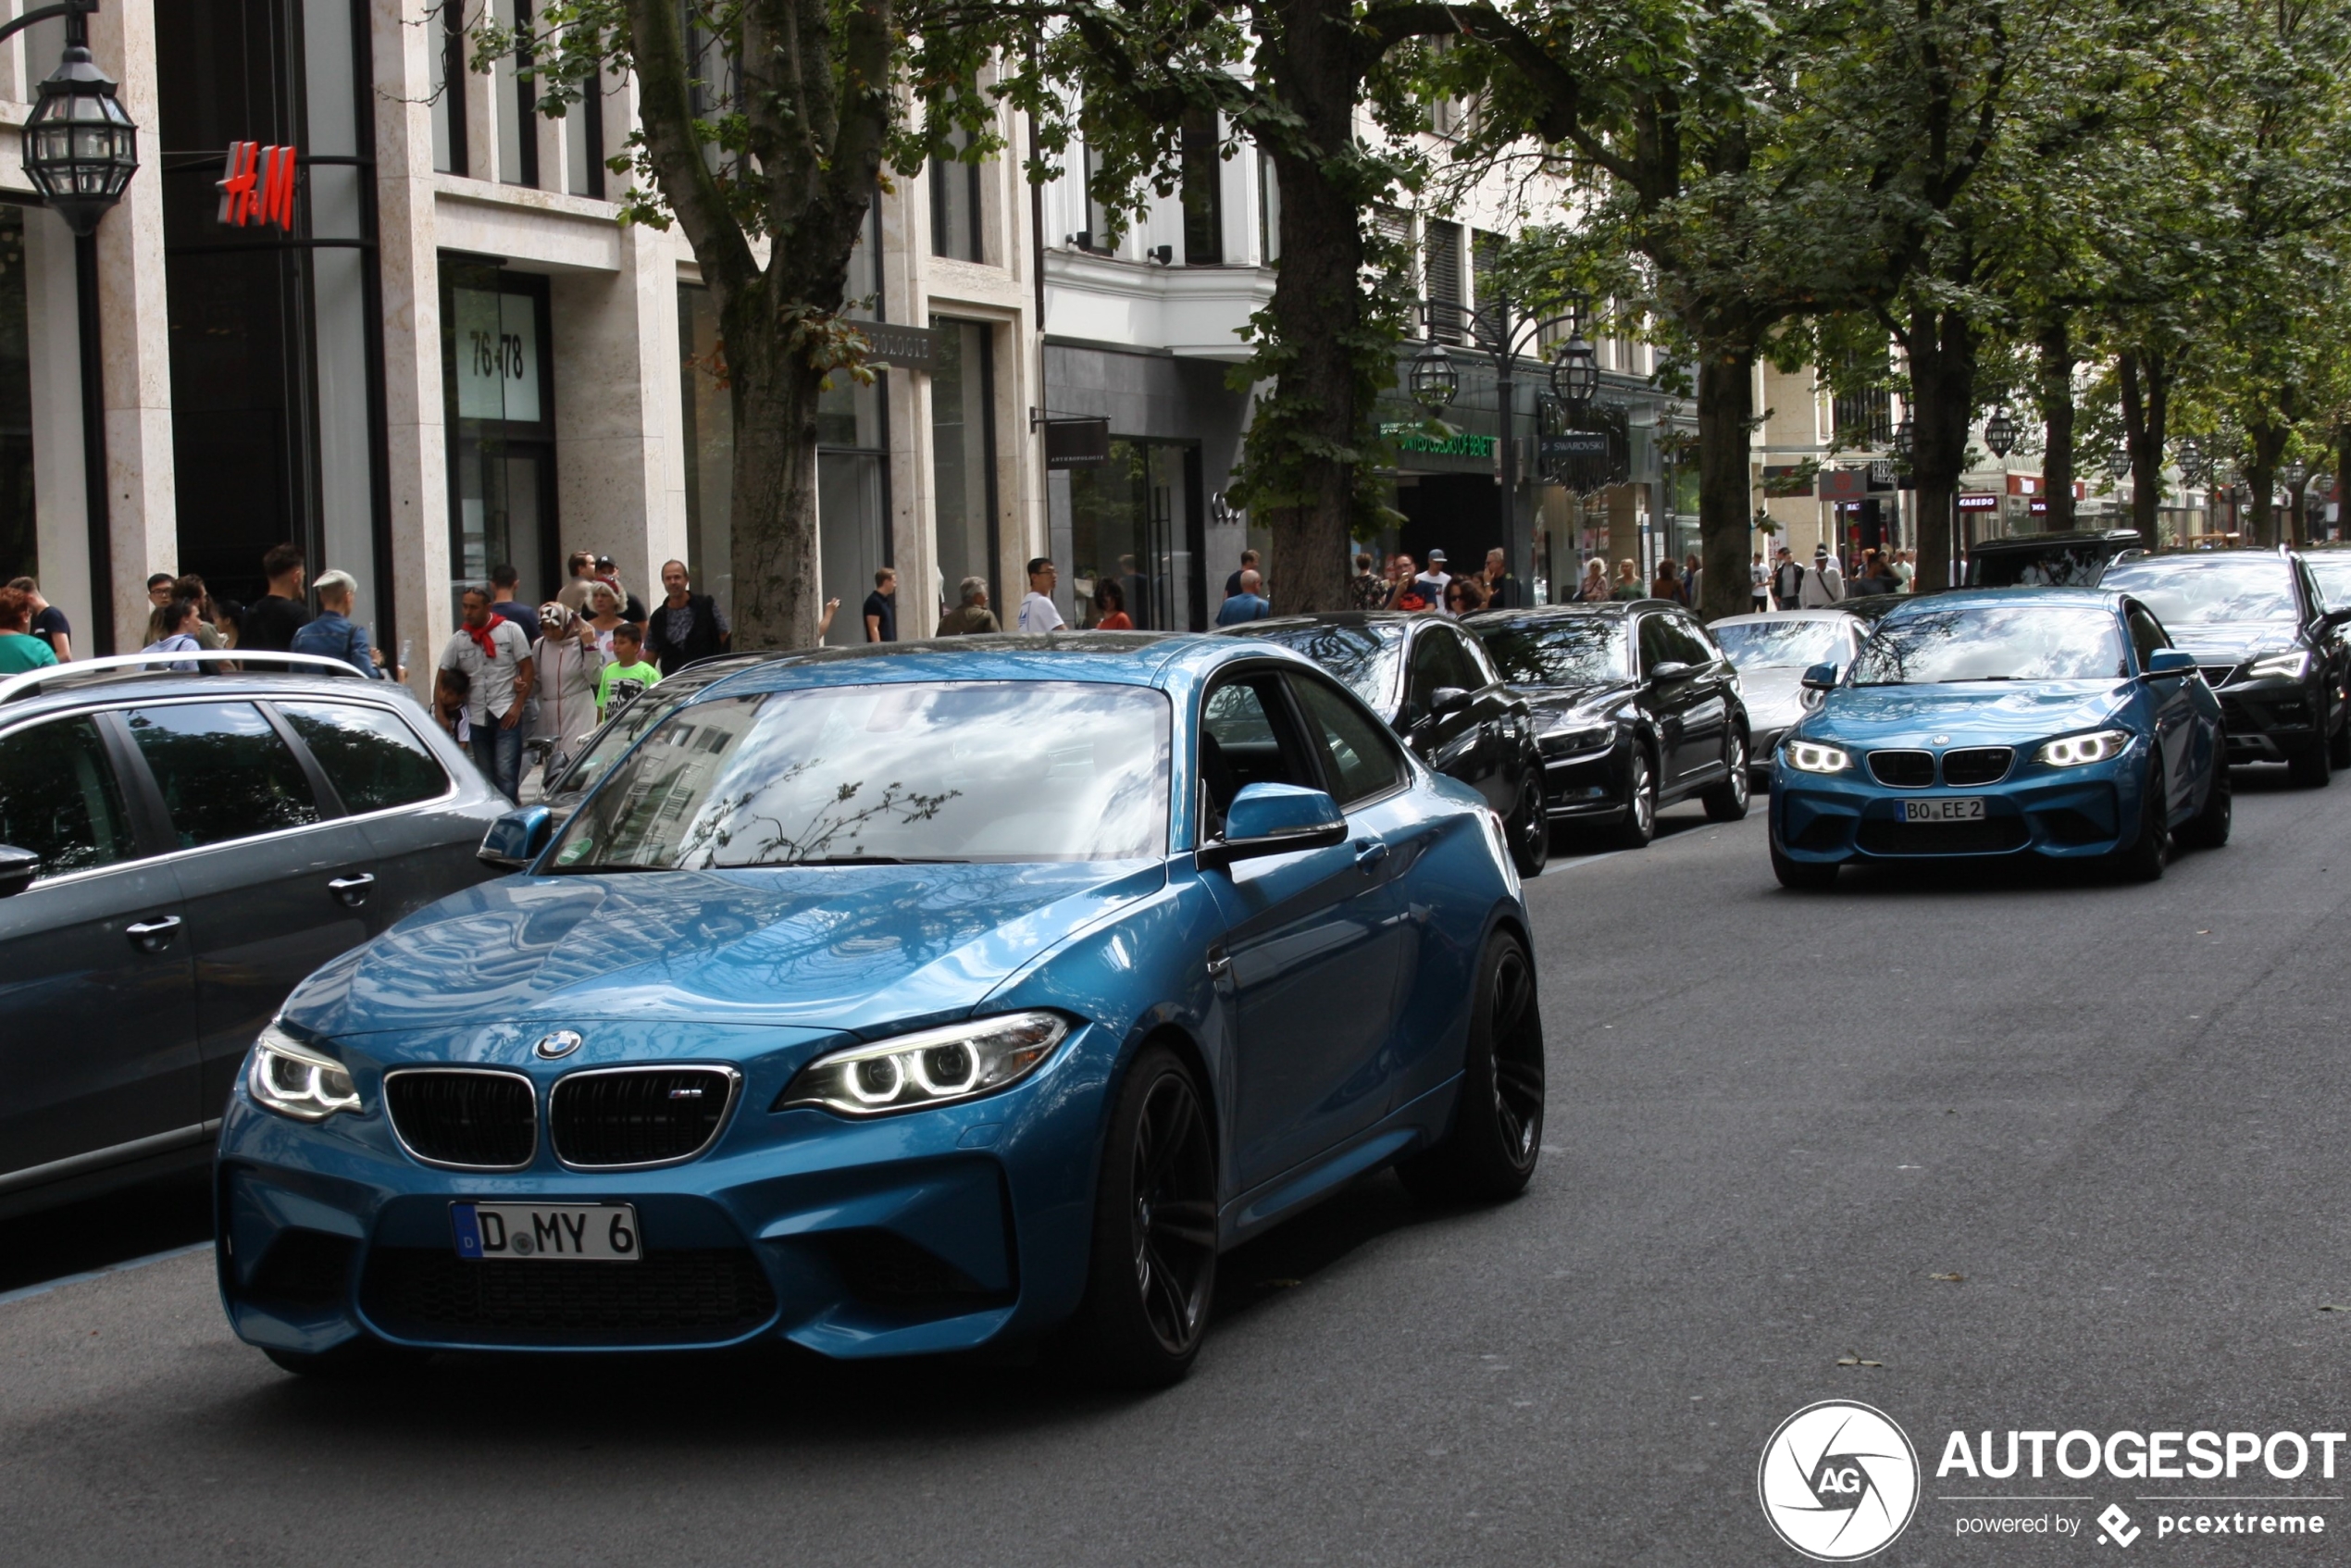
<point x="638" y="1115"/>
<point x="473" y="1118"/>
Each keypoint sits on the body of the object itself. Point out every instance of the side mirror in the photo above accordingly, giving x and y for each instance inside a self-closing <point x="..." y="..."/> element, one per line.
<point x="1673" y="669"/>
<point x="1275" y="820"/>
<point x="515" y="839"/>
<point x="2167" y="661"/>
<point x="1448" y="700"/>
<point x="18" y="869"/>
<point x="1821" y="678"/>
<point x="2333" y="618"/>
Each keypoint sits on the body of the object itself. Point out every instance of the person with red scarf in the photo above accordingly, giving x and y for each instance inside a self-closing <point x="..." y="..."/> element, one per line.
<point x="494" y="656"/>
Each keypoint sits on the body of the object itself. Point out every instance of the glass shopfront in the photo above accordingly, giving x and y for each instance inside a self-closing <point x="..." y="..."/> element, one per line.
<point x="499" y="386"/>
<point x="1136" y="521"/>
<point x="963" y="437"/>
<point x="276" y="329"/>
<point x="19" y="542"/>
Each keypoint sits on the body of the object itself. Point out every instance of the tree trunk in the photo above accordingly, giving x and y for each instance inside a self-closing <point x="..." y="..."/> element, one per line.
<point x="1301" y="439"/>
<point x="1725" y="417"/>
<point x="2147" y="407"/>
<point x="774" y="392"/>
<point x="2262" y="476"/>
<point x="1942" y="353"/>
<point x="2056" y="341"/>
<point x="2343" y="479"/>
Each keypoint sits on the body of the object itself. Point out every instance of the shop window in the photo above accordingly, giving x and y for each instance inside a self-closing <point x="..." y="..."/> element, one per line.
<point x="1442" y="258"/>
<point x="583" y="135"/>
<point x="500" y="392"/>
<point x="19" y="540"/>
<point x="1203" y="191"/>
<point x="1135" y="523"/>
<point x="954" y="204"/>
<point x="449" y="92"/>
<point x="963" y="437"/>
<point x="1269" y="209"/>
<point x="513" y="101"/>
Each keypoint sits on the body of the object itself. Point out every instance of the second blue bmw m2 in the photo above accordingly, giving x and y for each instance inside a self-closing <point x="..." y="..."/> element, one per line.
<point x="901" y="1001"/>
<point x="2057" y="722"/>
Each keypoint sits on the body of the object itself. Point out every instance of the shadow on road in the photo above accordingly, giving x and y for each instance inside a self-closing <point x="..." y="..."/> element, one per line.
<point x="155" y="1216"/>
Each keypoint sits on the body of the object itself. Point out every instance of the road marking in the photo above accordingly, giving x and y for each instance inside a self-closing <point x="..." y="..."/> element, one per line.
<point x="27" y="1292"/>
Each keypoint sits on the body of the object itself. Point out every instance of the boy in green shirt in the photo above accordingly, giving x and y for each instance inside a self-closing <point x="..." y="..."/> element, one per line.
<point x="628" y="674"/>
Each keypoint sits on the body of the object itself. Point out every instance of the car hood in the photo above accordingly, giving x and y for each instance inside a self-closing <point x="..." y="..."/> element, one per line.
<point x="1970" y="713"/>
<point x="837" y="947"/>
<point x="2234" y="641"/>
<point x="1773" y="695"/>
<point x="1564" y="699"/>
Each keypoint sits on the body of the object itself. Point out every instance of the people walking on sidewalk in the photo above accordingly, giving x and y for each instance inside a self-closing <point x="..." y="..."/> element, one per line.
<point x="492" y="656"/>
<point x="627" y="676"/>
<point x="971" y="616"/>
<point x="1037" y="612"/>
<point x="177" y="621"/>
<point x="685" y="626"/>
<point x="334" y="635"/>
<point x="567" y="662"/>
<point x="1825" y="584"/>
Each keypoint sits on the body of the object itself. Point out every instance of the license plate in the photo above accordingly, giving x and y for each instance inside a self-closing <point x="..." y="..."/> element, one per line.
<point x="538" y="1232"/>
<point x="1960" y="808"/>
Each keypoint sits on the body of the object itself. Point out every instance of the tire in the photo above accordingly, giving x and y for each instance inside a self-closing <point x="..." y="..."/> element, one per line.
<point x="1727" y="802"/>
<point x="1801" y="876"/>
<point x="1639" y="825"/>
<point x="1490" y="1151"/>
<point x="2312" y="767"/>
<point x="1530" y="829"/>
<point x="1152" y="1273"/>
<point x="2142" y="860"/>
<point x="2339" y="747"/>
<point x="2209" y="831"/>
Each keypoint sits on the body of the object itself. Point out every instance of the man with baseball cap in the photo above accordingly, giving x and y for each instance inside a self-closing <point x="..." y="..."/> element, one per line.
<point x="1432" y="578"/>
<point x="1825" y="584"/>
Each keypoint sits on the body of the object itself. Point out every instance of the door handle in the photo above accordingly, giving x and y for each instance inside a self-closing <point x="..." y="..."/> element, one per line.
<point x="1220" y="963"/>
<point x="1371" y="854"/>
<point x="153" y="936"/>
<point x="351" y="890"/>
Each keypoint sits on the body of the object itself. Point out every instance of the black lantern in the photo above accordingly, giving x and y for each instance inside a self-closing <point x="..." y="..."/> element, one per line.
<point x="2118" y="463"/>
<point x="2189" y="454"/>
<point x="1905" y="439"/>
<point x="2001" y="432"/>
<point x="1434" y="381"/>
<point x="81" y="148"/>
<point x="1575" y="373"/>
<point x="2294" y="473"/>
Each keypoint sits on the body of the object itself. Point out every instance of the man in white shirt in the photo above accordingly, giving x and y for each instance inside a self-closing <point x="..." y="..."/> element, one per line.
<point x="1432" y="581"/>
<point x="1825" y="584"/>
<point x="1037" y="609"/>
<point x="494" y="656"/>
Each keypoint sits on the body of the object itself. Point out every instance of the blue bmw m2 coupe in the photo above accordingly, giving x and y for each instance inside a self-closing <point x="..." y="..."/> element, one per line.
<point x="899" y="1000"/>
<point x="2057" y="722"/>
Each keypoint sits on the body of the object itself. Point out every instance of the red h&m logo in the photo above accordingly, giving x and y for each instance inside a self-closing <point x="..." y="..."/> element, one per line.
<point x="257" y="186"/>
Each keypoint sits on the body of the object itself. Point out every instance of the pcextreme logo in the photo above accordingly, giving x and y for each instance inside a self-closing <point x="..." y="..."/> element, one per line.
<point x="1839" y="1481"/>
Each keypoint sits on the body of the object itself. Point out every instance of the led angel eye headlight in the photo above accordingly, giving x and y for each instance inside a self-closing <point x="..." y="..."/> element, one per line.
<point x="296" y="1080"/>
<point x="2290" y="667"/>
<point x="1808" y="756"/>
<point x="934" y="1067"/>
<point x="2077" y="751"/>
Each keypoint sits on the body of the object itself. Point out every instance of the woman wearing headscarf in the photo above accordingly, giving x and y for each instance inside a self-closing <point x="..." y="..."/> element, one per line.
<point x="567" y="660"/>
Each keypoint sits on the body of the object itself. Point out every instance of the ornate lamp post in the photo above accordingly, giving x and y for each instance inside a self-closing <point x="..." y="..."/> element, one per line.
<point x="2000" y="431"/>
<point x="1435" y="383"/>
<point x="81" y="149"/>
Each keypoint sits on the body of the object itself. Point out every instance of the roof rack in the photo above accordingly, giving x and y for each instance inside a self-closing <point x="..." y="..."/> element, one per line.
<point x="33" y="683"/>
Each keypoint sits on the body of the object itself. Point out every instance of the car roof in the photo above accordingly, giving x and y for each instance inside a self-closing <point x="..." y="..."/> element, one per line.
<point x="1977" y="598"/>
<point x="55" y="688"/>
<point x="1613" y="609"/>
<point x="1130" y="658"/>
<point x="1401" y="619"/>
<point x="2032" y="542"/>
<point x="2200" y="558"/>
<point x="1817" y="613"/>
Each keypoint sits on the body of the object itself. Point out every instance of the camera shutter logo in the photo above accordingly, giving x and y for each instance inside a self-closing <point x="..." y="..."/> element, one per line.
<point x="1839" y="1481"/>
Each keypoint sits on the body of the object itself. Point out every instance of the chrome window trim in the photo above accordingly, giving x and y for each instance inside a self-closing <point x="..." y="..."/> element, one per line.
<point x="530" y="1085"/>
<point x="726" y="1112"/>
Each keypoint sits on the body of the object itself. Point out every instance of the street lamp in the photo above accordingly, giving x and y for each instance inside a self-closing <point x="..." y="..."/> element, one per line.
<point x="1435" y="382"/>
<point x="2189" y="453"/>
<point x="1575" y="373"/>
<point x="2118" y="463"/>
<point x="2001" y="432"/>
<point x="2294" y="473"/>
<point x="1906" y="435"/>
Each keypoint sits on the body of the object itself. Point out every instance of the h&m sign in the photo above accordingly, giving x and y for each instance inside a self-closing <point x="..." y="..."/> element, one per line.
<point x="257" y="186"/>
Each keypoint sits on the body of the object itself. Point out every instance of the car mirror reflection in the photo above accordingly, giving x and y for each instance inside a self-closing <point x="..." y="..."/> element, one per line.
<point x="515" y="839"/>
<point x="1275" y="820"/>
<point x="18" y="868"/>
<point x="1821" y="678"/>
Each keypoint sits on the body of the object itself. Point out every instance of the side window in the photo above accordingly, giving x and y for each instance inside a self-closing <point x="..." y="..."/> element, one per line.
<point x="1427" y="671"/>
<point x="59" y="797"/>
<point x="2146" y="634"/>
<point x="1687" y="643"/>
<point x="1656" y="642"/>
<point x="1363" y="761"/>
<point x="224" y="772"/>
<point x="372" y="759"/>
<point x="1245" y="738"/>
<point x="1460" y="667"/>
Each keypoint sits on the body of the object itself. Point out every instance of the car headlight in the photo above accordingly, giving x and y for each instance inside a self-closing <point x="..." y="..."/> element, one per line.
<point x="1808" y="756"/>
<point x="934" y="1067"/>
<point x="2286" y="667"/>
<point x="294" y="1080"/>
<point x="2075" y="750"/>
<point x="1566" y="732"/>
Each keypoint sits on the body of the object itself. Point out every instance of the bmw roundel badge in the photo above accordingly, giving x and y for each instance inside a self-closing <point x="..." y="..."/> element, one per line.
<point x="563" y="1042"/>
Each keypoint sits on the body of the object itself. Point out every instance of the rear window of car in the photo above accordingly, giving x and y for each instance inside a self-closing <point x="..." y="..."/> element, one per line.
<point x="224" y="770"/>
<point x="373" y="759"/>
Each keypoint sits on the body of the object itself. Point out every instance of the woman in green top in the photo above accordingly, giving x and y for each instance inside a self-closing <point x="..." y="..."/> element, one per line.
<point x="19" y="650"/>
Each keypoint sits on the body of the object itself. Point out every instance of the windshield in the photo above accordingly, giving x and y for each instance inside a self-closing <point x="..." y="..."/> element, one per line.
<point x="1570" y="650"/>
<point x="2333" y="572"/>
<point x="946" y="771"/>
<point x="2193" y="593"/>
<point x="1366" y="657"/>
<point x="1781" y="645"/>
<point x="1993" y="642"/>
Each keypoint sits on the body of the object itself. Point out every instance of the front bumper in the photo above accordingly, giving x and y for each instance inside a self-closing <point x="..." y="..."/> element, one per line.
<point x="1587" y="786"/>
<point x="2065" y="814"/>
<point x="2271" y="721"/>
<point x="935" y="1230"/>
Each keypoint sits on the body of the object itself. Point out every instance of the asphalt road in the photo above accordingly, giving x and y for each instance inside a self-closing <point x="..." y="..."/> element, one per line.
<point x="1989" y="1152"/>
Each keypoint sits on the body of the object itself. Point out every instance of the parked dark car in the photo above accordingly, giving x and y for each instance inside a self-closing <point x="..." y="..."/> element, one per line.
<point x="2260" y="628"/>
<point x="2077" y="559"/>
<point x="1438" y="690"/>
<point x="1636" y="708"/>
<point x="177" y="850"/>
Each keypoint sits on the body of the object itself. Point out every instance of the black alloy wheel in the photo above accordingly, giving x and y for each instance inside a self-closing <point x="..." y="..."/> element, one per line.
<point x="1726" y="802"/>
<point x="1153" y="1270"/>
<point x="1490" y="1151"/>
<point x="1801" y="876"/>
<point x="2209" y="829"/>
<point x="1639" y="824"/>
<point x="2312" y="767"/>
<point x="1530" y="829"/>
<point x="2143" y="859"/>
<point x="2339" y="748"/>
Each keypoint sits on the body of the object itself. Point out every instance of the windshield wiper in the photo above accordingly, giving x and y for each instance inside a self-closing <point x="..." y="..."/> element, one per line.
<point x="875" y="860"/>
